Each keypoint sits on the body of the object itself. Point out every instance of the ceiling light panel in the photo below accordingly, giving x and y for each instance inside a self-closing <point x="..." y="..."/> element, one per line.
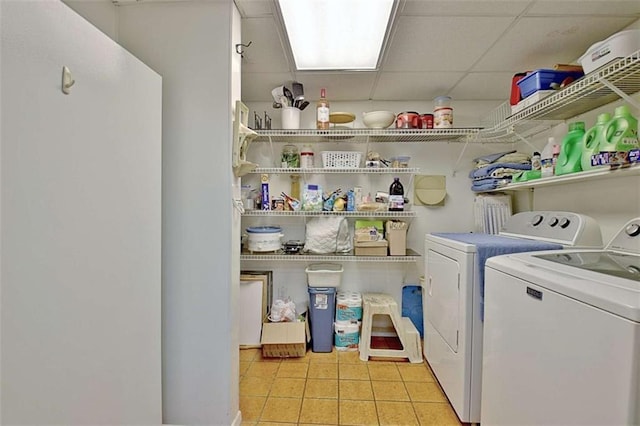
<point x="336" y="34"/>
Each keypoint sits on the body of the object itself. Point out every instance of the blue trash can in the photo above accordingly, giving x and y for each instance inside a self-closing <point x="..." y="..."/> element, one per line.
<point x="412" y="306"/>
<point x="322" y="308"/>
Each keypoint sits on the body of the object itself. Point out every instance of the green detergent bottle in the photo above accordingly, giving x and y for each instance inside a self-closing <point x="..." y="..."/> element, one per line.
<point x="621" y="133"/>
<point x="593" y="140"/>
<point x="571" y="150"/>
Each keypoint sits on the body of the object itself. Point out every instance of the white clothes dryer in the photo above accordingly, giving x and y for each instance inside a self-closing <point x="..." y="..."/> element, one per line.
<point x="562" y="336"/>
<point x="453" y="293"/>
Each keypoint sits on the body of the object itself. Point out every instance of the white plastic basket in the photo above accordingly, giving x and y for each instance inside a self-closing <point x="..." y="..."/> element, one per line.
<point x="324" y="275"/>
<point x="341" y="159"/>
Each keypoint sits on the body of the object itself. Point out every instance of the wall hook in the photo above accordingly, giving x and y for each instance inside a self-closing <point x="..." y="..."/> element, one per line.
<point x="239" y="49"/>
<point x="67" y="80"/>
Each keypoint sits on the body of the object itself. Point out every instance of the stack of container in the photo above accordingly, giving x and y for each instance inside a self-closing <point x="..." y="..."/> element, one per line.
<point x="348" y="319"/>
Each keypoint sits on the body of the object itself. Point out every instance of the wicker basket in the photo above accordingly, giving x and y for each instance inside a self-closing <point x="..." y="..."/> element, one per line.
<point x="341" y="159"/>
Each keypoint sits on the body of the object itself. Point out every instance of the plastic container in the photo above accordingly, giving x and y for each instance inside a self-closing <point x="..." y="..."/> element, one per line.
<point x="347" y="336"/>
<point x="341" y="159"/>
<point x="306" y="157"/>
<point x="348" y="307"/>
<point x="407" y="120"/>
<point x="546" y="158"/>
<point x="593" y="140"/>
<point x="571" y="150"/>
<point x="400" y="161"/>
<point x="619" y="45"/>
<point x="322" y="306"/>
<point x="542" y="79"/>
<point x="290" y="157"/>
<point x="621" y="132"/>
<point x="412" y="306"/>
<point x="535" y="161"/>
<point x="324" y="275"/>
<point x="442" y="113"/>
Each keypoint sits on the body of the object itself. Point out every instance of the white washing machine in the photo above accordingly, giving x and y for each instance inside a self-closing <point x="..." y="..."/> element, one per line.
<point x="453" y="293"/>
<point x="562" y="336"/>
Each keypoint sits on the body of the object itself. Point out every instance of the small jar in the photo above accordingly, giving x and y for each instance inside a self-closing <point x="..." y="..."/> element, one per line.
<point x="426" y="121"/>
<point x="442" y="113"/>
<point x="306" y="157"/>
<point x="407" y="120"/>
<point x="290" y="157"/>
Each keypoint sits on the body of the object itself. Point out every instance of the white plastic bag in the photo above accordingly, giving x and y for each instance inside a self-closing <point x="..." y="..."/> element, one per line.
<point x="282" y="311"/>
<point x="328" y="234"/>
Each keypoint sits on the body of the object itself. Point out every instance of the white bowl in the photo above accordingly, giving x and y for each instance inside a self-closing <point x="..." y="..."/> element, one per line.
<point x="378" y="119"/>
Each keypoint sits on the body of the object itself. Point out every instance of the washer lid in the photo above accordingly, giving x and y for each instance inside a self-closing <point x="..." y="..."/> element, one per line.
<point x="609" y="292"/>
<point x="614" y="264"/>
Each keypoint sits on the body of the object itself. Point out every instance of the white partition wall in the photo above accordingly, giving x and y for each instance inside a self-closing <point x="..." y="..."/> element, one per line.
<point x="80" y="224"/>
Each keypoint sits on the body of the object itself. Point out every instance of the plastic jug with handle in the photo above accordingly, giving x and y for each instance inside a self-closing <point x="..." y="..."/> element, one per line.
<point x="593" y="140"/>
<point x="621" y="132"/>
<point x="571" y="150"/>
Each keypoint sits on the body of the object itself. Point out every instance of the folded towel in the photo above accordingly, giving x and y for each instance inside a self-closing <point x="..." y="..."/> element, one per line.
<point x="494" y="245"/>
<point x="486" y="170"/>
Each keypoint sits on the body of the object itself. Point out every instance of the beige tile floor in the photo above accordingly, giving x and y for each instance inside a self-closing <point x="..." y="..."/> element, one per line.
<point x="338" y="389"/>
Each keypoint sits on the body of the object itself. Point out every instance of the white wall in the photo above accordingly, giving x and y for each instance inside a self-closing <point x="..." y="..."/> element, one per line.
<point x="80" y="224"/>
<point x="189" y="44"/>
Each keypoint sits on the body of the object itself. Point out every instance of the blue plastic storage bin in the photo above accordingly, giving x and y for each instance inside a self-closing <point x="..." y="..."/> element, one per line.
<point x="322" y="308"/>
<point x="542" y="79"/>
<point x="412" y="306"/>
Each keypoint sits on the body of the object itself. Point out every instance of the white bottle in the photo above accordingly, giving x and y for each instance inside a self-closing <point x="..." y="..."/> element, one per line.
<point x="546" y="158"/>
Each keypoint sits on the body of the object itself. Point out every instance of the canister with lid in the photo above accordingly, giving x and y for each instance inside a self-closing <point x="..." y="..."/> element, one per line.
<point x="290" y="156"/>
<point x="306" y="157"/>
<point x="442" y="113"/>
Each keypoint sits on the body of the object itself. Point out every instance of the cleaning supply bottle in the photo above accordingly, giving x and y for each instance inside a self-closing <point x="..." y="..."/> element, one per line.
<point x="571" y="150"/>
<point x="396" y="196"/>
<point x="535" y="161"/>
<point x="593" y="140"/>
<point x="546" y="158"/>
<point x="621" y="132"/>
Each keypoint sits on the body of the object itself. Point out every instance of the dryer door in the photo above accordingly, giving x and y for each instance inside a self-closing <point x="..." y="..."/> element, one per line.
<point x="443" y="294"/>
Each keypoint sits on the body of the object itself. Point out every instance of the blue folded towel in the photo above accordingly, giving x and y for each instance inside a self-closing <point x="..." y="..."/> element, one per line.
<point x="486" y="170"/>
<point x="488" y="245"/>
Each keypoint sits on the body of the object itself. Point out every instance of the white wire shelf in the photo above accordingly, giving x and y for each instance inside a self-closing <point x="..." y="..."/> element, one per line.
<point x="619" y="79"/>
<point x="359" y="170"/>
<point x="380" y="214"/>
<point x="599" y="173"/>
<point x="411" y="257"/>
<point x="366" y="135"/>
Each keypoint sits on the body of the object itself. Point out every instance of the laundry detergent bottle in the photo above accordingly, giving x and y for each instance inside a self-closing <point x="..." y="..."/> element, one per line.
<point x="621" y="132"/>
<point x="570" y="155"/>
<point x="593" y="140"/>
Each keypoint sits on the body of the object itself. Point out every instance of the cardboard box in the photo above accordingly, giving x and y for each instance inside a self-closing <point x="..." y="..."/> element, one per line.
<point x="284" y="339"/>
<point x="396" y="233"/>
<point x="368" y="230"/>
<point x="371" y="248"/>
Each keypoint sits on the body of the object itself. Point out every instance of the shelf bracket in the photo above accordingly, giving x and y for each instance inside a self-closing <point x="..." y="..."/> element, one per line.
<point x="619" y="92"/>
<point x="242" y="137"/>
<point x="522" y="139"/>
<point x="455" y="166"/>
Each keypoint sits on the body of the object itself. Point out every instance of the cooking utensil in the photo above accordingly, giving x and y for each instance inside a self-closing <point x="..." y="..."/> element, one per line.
<point x="303" y="105"/>
<point x="288" y="95"/>
<point x="298" y="91"/>
<point x="277" y="105"/>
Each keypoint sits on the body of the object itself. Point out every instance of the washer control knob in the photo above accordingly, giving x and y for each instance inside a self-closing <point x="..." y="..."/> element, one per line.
<point x="537" y="220"/>
<point x="633" y="230"/>
<point x="565" y="222"/>
<point x="553" y="221"/>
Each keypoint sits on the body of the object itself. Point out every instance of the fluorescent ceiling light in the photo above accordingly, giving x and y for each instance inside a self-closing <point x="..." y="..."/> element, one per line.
<point x="336" y="34"/>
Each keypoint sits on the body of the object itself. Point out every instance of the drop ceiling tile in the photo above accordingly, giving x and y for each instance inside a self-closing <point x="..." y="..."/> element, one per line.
<point x="341" y="86"/>
<point x="257" y="86"/>
<point x="266" y="52"/>
<point x="399" y="86"/>
<point x="464" y="8"/>
<point x="537" y="42"/>
<point x="592" y="7"/>
<point x="442" y="44"/>
<point x="483" y="86"/>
